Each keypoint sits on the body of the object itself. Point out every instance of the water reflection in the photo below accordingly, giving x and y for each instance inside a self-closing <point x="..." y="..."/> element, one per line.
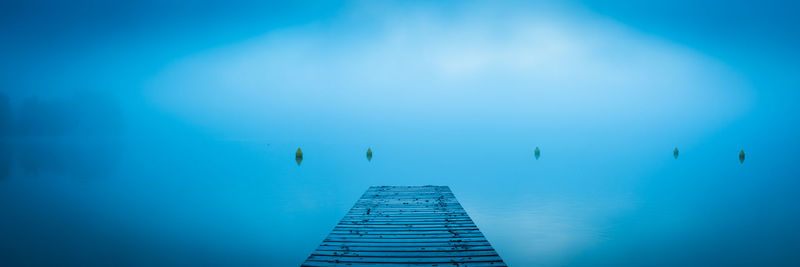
<point x="741" y="156"/>
<point x="84" y="113"/>
<point x="74" y="135"/>
<point x="5" y="160"/>
<point x="159" y="188"/>
<point x="5" y="116"/>
<point x="298" y="156"/>
<point x="75" y="159"/>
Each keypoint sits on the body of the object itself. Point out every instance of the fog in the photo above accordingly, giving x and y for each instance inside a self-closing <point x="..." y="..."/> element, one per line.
<point x="83" y="114"/>
<point x="539" y="72"/>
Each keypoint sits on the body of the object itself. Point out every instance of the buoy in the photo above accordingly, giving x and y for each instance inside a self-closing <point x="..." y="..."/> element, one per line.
<point x="741" y="156"/>
<point x="298" y="156"/>
<point x="537" y="153"/>
<point x="369" y="154"/>
<point x="675" y="153"/>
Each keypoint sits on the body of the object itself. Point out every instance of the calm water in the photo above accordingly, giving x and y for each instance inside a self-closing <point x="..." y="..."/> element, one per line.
<point x="206" y="201"/>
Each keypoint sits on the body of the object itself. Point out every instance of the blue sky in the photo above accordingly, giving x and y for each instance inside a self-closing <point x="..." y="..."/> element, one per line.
<point x="732" y="59"/>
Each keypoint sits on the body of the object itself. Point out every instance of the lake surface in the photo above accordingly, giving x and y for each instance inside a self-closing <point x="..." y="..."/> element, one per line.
<point x="230" y="202"/>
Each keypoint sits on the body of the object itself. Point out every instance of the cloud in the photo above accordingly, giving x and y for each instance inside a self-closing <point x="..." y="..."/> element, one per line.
<point x="404" y="64"/>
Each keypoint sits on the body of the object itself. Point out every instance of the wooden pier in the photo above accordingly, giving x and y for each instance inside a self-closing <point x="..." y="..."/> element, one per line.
<point x="406" y="225"/>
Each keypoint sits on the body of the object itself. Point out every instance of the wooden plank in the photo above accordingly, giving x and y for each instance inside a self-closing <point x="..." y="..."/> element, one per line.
<point x="406" y="219"/>
<point x="395" y="206"/>
<point x="397" y="228"/>
<point x="403" y="229"/>
<point x="407" y="223"/>
<point x="374" y="230"/>
<point x="326" y="247"/>
<point x="455" y="253"/>
<point x="445" y="220"/>
<point x="404" y="238"/>
<point x="340" y="229"/>
<point x="404" y="260"/>
<point x="405" y="226"/>
<point x="374" y="214"/>
<point x="451" y="245"/>
<point x="406" y="230"/>
<point x="400" y="200"/>
<point x="471" y="264"/>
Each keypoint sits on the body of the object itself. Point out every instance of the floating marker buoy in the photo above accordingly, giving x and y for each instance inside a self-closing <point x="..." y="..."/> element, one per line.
<point x="537" y="153"/>
<point x="369" y="154"/>
<point x="675" y="153"/>
<point x="298" y="156"/>
<point x="741" y="156"/>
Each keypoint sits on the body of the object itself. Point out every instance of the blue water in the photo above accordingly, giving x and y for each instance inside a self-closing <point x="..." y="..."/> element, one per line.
<point x="166" y="202"/>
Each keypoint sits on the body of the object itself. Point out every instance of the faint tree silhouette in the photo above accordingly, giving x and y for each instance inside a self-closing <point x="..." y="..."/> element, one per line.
<point x="86" y="113"/>
<point x="5" y="116"/>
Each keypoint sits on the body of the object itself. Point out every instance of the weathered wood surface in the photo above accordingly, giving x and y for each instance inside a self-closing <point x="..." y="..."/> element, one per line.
<point x="402" y="226"/>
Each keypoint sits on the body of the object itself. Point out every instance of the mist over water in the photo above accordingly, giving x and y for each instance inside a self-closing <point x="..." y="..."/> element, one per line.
<point x="556" y="126"/>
